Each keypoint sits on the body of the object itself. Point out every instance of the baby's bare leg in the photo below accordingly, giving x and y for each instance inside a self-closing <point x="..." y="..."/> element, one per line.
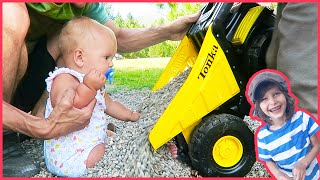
<point x="97" y="152"/>
<point x="110" y="134"/>
<point x="95" y="155"/>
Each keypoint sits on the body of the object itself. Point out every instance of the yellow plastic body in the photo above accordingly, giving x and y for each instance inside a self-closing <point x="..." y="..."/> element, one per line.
<point x="187" y="132"/>
<point x="184" y="57"/>
<point x="210" y="83"/>
<point x="227" y="151"/>
<point x="246" y="24"/>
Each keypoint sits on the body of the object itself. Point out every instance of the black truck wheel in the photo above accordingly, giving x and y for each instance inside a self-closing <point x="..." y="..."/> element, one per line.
<point x="222" y="145"/>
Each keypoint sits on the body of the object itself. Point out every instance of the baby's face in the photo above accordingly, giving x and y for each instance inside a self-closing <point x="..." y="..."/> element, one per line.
<point x="100" y="52"/>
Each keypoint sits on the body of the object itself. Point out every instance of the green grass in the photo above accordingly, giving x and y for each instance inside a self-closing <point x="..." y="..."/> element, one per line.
<point x="136" y="74"/>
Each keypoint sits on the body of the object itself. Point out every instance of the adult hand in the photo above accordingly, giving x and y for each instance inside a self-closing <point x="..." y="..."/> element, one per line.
<point x="299" y="171"/>
<point x="179" y="27"/>
<point x="65" y="118"/>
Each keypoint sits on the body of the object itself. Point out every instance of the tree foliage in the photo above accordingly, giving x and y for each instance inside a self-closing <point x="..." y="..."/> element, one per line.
<point x="176" y="10"/>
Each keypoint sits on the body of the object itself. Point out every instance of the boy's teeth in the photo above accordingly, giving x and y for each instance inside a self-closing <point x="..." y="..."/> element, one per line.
<point x="274" y="109"/>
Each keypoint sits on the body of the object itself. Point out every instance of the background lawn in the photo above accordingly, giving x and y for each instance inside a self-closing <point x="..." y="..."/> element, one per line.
<point x="136" y="74"/>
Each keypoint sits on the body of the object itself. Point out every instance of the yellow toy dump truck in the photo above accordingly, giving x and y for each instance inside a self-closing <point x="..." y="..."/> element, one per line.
<point x="224" y="48"/>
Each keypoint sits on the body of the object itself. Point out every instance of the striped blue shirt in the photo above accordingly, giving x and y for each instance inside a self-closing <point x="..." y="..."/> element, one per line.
<point x="289" y="144"/>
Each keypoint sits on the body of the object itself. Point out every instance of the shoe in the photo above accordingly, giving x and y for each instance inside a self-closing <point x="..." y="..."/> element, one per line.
<point x="16" y="162"/>
<point x="23" y="137"/>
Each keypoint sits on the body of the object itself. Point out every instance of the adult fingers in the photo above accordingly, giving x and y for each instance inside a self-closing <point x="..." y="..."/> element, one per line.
<point x="66" y="101"/>
<point x="54" y="128"/>
<point x="194" y="17"/>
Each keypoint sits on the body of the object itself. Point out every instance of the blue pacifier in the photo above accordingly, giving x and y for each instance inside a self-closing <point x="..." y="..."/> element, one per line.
<point x="109" y="75"/>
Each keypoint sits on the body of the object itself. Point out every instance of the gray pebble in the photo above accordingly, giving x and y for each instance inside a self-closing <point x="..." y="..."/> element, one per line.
<point x="129" y="153"/>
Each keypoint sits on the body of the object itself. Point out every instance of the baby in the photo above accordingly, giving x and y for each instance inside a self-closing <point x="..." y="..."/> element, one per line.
<point x="87" y="49"/>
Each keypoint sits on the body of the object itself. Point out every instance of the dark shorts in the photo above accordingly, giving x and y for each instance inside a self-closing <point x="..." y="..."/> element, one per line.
<point x="32" y="85"/>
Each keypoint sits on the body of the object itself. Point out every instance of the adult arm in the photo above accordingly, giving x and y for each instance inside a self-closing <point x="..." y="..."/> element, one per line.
<point x="133" y="39"/>
<point x="63" y="120"/>
<point x="299" y="170"/>
<point x="130" y="40"/>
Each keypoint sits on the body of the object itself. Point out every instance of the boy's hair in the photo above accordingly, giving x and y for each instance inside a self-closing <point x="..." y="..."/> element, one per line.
<point x="260" y="92"/>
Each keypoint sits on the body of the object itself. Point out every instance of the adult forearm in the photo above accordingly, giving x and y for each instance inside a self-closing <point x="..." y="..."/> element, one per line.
<point x="136" y="39"/>
<point x="63" y="120"/>
<point x="19" y="121"/>
<point x="130" y="40"/>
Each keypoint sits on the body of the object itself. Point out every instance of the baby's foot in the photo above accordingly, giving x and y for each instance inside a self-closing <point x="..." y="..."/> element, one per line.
<point x="173" y="149"/>
<point x="110" y="133"/>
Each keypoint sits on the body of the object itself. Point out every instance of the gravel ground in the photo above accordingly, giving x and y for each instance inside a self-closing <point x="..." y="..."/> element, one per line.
<point x="129" y="153"/>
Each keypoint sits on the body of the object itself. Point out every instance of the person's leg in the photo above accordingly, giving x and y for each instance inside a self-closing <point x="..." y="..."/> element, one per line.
<point x="95" y="155"/>
<point x="14" y="63"/>
<point x="271" y="55"/>
<point x="173" y="149"/>
<point x="32" y="85"/>
<point x="14" y="60"/>
<point x="110" y="133"/>
<point x="296" y="54"/>
<point x="42" y="60"/>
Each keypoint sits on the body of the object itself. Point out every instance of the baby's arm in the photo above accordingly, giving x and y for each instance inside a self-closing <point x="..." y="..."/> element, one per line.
<point x="84" y="91"/>
<point x="299" y="170"/>
<point x="87" y="90"/>
<point x="117" y="110"/>
<point x="276" y="172"/>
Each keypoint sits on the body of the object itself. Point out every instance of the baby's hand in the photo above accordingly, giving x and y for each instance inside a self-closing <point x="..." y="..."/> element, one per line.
<point x="135" y="116"/>
<point x="94" y="79"/>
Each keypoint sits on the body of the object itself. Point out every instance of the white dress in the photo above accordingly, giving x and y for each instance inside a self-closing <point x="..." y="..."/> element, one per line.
<point x="67" y="155"/>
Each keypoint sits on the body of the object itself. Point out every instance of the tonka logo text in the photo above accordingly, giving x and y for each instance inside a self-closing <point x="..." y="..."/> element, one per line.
<point x="208" y="63"/>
